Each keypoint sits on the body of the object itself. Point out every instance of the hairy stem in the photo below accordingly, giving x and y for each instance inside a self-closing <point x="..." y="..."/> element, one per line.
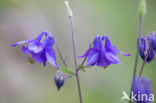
<point x="137" y="54"/>
<point x="75" y="60"/>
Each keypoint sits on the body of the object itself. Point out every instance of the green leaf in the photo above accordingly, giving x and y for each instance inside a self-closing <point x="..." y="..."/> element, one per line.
<point x="83" y="67"/>
<point x="80" y="66"/>
<point x="67" y="71"/>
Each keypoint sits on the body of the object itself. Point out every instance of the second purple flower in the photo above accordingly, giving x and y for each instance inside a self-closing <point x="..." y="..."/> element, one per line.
<point x="102" y="55"/>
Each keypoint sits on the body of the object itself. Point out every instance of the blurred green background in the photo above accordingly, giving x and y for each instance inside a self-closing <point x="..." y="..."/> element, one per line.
<point x="22" y="82"/>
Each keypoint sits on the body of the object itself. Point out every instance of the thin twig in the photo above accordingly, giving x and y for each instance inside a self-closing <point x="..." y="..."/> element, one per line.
<point x="137" y="54"/>
<point x="144" y="62"/>
<point x="74" y="48"/>
<point x="75" y="59"/>
<point x="90" y="45"/>
<point x="61" y="55"/>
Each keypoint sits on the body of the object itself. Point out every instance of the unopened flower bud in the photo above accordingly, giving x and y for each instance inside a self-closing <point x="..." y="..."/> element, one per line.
<point x="68" y="8"/>
<point x="59" y="79"/>
<point x="142" y="8"/>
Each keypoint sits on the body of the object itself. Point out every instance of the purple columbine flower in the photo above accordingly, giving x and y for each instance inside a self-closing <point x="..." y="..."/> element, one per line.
<point x="141" y="90"/>
<point x="143" y="47"/>
<point x="153" y="40"/>
<point x="102" y="55"/>
<point x="40" y="51"/>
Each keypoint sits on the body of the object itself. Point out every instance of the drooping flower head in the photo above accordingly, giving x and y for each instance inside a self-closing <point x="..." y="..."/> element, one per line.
<point x="144" y="44"/>
<point x="141" y="90"/>
<point x="60" y="78"/>
<point x="40" y="51"/>
<point x="102" y="55"/>
<point x="153" y="40"/>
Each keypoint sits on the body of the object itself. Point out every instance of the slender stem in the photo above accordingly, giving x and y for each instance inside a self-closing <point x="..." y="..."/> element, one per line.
<point x="140" y="26"/>
<point x="144" y="62"/>
<point x="73" y="39"/>
<point x="79" y="87"/>
<point x="86" y="56"/>
<point x="137" y="54"/>
<point x="60" y="55"/>
<point x="75" y="60"/>
<point x="142" y="67"/>
<point x="134" y="73"/>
